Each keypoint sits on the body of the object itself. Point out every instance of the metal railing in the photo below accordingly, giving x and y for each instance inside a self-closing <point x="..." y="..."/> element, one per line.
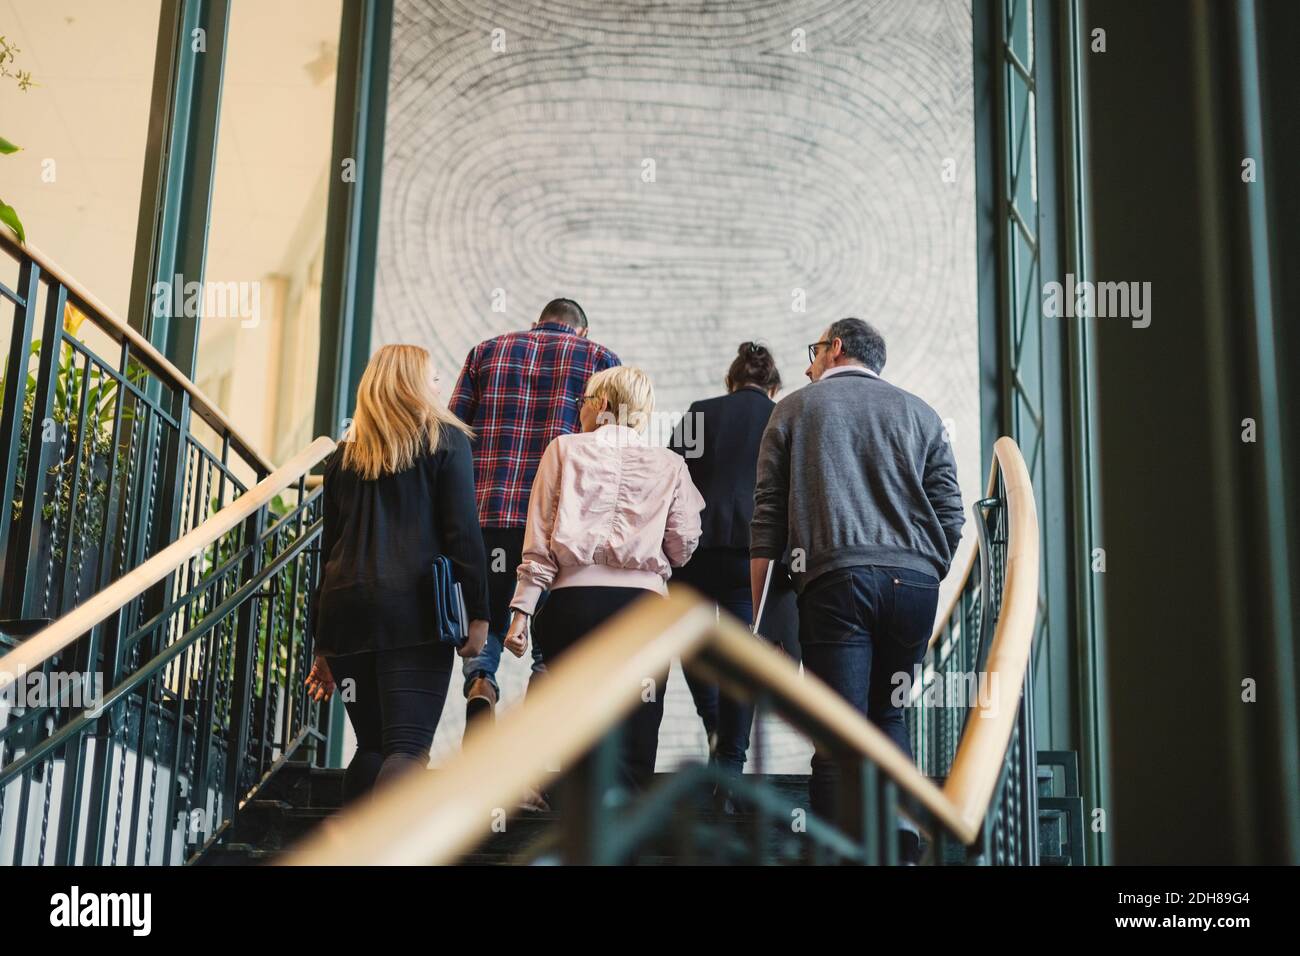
<point x="570" y="719"/>
<point x="954" y="676"/>
<point x="107" y="452"/>
<point x="131" y="736"/>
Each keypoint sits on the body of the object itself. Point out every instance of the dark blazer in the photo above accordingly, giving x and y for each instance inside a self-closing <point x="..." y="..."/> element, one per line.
<point x="726" y="432"/>
<point x="378" y="544"/>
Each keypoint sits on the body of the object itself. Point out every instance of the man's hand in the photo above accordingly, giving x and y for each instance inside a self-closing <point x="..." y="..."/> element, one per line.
<point x="516" y="641"/>
<point x="473" y="646"/>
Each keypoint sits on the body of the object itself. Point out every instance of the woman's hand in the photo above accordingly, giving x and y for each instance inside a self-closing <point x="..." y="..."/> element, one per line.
<point x="320" y="682"/>
<point x="473" y="646"/>
<point x="516" y="641"/>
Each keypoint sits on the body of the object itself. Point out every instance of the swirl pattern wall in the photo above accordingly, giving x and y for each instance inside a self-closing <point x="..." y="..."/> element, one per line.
<point x="816" y="154"/>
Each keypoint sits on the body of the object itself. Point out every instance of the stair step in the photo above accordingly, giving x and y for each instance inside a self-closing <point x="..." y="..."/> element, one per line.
<point x="299" y="796"/>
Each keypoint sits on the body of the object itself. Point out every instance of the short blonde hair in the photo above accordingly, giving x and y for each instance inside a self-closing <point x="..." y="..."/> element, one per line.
<point x="628" y="393"/>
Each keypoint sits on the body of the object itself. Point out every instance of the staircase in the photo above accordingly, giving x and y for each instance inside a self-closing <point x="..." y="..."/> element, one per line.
<point x="146" y="544"/>
<point x="299" y="796"/>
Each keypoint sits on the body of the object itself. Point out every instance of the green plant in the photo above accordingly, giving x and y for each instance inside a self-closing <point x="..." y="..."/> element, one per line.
<point x="8" y="215"/>
<point x="62" y="428"/>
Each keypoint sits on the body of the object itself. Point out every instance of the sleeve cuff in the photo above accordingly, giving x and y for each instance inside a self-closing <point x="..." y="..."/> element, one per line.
<point x="771" y="552"/>
<point x="526" y="596"/>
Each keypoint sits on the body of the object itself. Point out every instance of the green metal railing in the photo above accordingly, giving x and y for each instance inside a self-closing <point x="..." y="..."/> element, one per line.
<point x="942" y="701"/>
<point x="103" y="460"/>
<point x="193" y="707"/>
<point x="136" y="742"/>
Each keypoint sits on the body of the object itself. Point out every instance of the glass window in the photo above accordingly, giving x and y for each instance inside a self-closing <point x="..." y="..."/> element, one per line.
<point x="258" y="347"/>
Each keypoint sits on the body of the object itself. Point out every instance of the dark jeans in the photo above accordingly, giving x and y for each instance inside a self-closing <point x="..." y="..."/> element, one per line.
<point x="394" y="701"/>
<point x="567" y="617"/>
<point x="504" y="547"/>
<point x="722" y="575"/>
<point x="859" y="627"/>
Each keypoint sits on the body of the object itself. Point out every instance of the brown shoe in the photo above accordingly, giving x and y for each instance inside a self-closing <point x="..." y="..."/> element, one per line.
<point x="481" y="699"/>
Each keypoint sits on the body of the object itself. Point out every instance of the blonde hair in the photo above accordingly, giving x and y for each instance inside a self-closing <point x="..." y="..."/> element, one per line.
<point x="628" y="393"/>
<point x="398" y="415"/>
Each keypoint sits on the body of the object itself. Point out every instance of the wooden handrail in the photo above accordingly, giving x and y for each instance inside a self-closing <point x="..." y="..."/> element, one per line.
<point x="433" y="818"/>
<point x="107" y="321"/>
<point x="978" y="761"/>
<point x="50" y="640"/>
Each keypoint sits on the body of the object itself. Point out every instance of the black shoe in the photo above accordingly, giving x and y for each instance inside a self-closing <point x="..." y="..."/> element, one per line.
<point x="911" y="848"/>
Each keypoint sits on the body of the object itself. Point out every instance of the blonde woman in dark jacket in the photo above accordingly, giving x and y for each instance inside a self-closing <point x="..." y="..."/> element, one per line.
<point x="398" y="493"/>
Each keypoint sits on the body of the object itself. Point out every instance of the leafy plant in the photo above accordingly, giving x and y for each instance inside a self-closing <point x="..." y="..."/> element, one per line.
<point x="8" y="215"/>
<point x="63" y="427"/>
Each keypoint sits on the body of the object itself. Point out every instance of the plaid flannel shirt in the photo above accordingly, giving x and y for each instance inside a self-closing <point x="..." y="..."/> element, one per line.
<point x="519" y="391"/>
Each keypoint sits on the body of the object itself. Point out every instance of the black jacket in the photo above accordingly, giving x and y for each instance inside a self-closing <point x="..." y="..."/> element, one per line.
<point x="725" y="433"/>
<point x="378" y="544"/>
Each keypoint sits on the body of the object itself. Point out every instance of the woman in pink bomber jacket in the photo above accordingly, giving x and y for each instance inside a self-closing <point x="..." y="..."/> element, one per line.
<point x="609" y="517"/>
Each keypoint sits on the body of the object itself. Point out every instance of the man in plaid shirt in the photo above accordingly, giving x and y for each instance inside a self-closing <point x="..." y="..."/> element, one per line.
<point x="519" y="391"/>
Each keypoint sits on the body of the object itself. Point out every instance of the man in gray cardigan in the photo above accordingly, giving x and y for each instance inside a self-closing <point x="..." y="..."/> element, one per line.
<point x="856" y="480"/>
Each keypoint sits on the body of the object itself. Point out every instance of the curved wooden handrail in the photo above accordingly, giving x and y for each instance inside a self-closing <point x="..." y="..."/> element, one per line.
<point x="433" y="818"/>
<point x="107" y="321"/>
<point x="50" y="640"/>
<point x="978" y="761"/>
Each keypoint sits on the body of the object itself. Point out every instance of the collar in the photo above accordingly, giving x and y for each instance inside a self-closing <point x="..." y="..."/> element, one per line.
<point x="553" y="327"/>
<point x="845" y="369"/>
<point x="620" y="435"/>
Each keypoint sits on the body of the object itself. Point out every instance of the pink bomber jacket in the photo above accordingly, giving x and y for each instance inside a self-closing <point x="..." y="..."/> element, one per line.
<point x="607" y="510"/>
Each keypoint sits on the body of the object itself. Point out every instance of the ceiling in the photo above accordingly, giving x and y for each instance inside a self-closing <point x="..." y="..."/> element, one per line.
<point x="89" y="114"/>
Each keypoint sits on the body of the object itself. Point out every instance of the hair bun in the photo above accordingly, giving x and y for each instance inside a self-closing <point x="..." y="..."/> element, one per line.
<point x="753" y="365"/>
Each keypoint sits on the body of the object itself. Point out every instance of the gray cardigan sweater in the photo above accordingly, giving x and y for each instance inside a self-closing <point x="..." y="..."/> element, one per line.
<point x="855" y="471"/>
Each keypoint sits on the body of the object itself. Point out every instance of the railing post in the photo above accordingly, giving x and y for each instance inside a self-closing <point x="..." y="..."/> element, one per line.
<point x="1028" y="771"/>
<point x="11" y="424"/>
<point x="857" y="812"/>
<point x="241" y="691"/>
<point x="585" y="811"/>
<point x="23" y="543"/>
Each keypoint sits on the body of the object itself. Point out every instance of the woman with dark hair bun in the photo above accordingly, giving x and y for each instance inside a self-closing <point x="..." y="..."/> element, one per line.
<point x="719" y="437"/>
<point x="753" y="367"/>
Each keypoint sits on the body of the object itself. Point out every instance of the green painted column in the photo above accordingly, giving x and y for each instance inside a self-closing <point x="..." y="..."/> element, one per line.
<point x="180" y="162"/>
<point x="1035" y="369"/>
<point x="352" y="226"/>
<point x="1192" y="466"/>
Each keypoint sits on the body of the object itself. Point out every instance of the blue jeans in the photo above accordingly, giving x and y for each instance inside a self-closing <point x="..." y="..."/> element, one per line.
<point x="859" y="627"/>
<point x="504" y="548"/>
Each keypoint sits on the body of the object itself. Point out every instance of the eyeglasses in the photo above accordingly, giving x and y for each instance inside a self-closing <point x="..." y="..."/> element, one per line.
<point x="812" y="351"/>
